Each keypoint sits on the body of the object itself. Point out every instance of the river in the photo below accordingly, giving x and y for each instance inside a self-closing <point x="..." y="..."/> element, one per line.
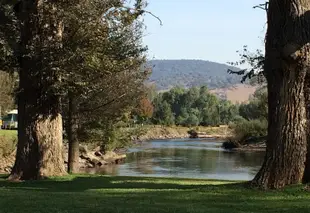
<point x="187" y="158"/>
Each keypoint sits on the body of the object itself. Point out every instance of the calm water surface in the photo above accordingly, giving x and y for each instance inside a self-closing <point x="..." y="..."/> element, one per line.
<point x="187" y="158"/>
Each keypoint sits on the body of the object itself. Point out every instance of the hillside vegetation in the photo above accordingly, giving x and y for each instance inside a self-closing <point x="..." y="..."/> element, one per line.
<point x="189" y="73"/>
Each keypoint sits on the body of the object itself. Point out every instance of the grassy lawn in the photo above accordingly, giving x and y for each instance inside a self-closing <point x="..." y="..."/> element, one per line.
<point x="8" y="133"/>
<point x="132" y="194"/>
<point x="8" y="141"/>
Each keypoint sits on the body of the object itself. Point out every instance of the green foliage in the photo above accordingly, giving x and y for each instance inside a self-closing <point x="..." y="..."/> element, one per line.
<point x="111" y="135"/>
<point x="192" y="107"/>
<point x="245" y="129"/>
<point x="255" y="60"/>
<point x="228" y="112"/>
<point x="252" y="119"/>
<point x="9" y="37"/>
<point x="7" y="88"/>
<point x="102" y="68"/>
<point x="164" y="115"/>
<point x="192" y="120"/>
<point x="116" y="137"/>
<point x="257" y="107"/>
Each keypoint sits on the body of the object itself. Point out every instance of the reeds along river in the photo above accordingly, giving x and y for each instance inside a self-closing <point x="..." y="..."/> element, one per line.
<point x="187" y="158"/>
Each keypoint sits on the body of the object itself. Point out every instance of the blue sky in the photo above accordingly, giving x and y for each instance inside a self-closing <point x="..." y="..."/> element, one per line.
<point x="203" y="29"/>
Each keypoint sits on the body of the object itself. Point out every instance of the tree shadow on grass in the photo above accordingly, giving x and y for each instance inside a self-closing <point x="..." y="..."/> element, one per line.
<point x="3" y="176"/>
<point x="84" y="183"/>
<point x="140" y="194"/>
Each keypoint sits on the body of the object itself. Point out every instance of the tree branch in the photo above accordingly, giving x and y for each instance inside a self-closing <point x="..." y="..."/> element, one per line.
<point x="262" y="6"/>
<point x="140" y="12"/>
<point x="103" y="105"/>
<point x="152" y="14"/>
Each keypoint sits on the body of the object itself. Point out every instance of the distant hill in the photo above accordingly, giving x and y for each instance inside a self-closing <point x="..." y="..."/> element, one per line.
<point x="189" y="73"/>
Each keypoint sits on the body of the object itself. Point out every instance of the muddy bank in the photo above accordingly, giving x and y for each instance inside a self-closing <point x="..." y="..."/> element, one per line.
<point x="158" y="132"/>
<point x="196" y="134"/>
<point x="162" y="132"/>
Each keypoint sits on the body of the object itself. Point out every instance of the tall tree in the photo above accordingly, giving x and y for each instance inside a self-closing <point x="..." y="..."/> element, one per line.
<point x="39" y="151"/>
<point x="256" y="62"/>
<point x="286" y="64"/>
<point x="103" y="57"/>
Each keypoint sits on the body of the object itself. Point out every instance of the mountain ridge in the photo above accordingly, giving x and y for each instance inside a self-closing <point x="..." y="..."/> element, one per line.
<point x="195" y="72"/>
<point x="167" y="73"/>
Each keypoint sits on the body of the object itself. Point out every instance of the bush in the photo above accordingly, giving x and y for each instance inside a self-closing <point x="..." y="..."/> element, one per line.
<point x="192" y="133"/>
<point x="116" y="138"/>
<point x="245" y="129"/>
<point x="192" y="120"/>
<point x="230" y="145"/>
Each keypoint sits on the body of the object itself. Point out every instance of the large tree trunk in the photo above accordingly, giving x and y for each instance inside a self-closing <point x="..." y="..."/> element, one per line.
<point x="306" y="177"/>
<point x="286" y="64"/>
<point x="72" y="127"/>
<point x="39" y="151"/>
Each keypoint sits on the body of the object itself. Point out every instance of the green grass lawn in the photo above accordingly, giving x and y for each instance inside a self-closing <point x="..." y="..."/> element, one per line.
<point x="147" y="195"/>
<point x="8" y="141"/>
<point x="8" y="133"/>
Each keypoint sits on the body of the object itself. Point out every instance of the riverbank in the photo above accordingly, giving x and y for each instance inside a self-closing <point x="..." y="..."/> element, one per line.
<point x="251" y="144"/>
<point x="89" y="157"/>
<point x="153" y="132"/>
<point x="136" y="194"/>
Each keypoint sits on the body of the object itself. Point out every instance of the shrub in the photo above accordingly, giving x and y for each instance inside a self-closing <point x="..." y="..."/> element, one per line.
<point x="192" y="133"/>
<point x="116" y="137"/>
<point x="230" y="145"/>
<point x="245" y="129"/>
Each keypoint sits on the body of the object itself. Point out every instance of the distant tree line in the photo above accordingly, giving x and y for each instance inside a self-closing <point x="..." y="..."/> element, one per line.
<point x="198" y="107"/>
<point x="191" y="107"/>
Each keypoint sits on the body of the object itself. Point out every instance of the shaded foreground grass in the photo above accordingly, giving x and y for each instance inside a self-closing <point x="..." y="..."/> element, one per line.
<point x="136" y="194"/>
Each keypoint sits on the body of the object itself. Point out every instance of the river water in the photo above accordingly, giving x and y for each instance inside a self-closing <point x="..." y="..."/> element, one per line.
<point x="188" y="158"/>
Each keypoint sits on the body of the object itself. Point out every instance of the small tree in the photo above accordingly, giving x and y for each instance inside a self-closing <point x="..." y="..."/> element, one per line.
<point x="144" y="110"/>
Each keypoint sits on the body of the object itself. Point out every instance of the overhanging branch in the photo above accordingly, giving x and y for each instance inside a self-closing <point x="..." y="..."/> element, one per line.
<point x="262" y="6"/>
<point x="103" y="105"/>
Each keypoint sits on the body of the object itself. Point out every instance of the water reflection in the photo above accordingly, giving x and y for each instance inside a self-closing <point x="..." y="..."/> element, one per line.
<point x="188" y="158"/>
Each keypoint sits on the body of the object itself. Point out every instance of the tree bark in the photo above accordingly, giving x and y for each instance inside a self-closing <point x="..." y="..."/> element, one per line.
<point x="306" y="177"/>
<point x="286" y="64"/>
<point x="73" y="160"/>
<point x="39" y="149"/>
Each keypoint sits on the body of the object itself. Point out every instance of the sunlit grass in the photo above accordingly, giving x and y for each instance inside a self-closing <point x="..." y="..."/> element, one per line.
<point x="85" y="193"/>
<point x="8" y="141"/>
<point x="8" y="133"/>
